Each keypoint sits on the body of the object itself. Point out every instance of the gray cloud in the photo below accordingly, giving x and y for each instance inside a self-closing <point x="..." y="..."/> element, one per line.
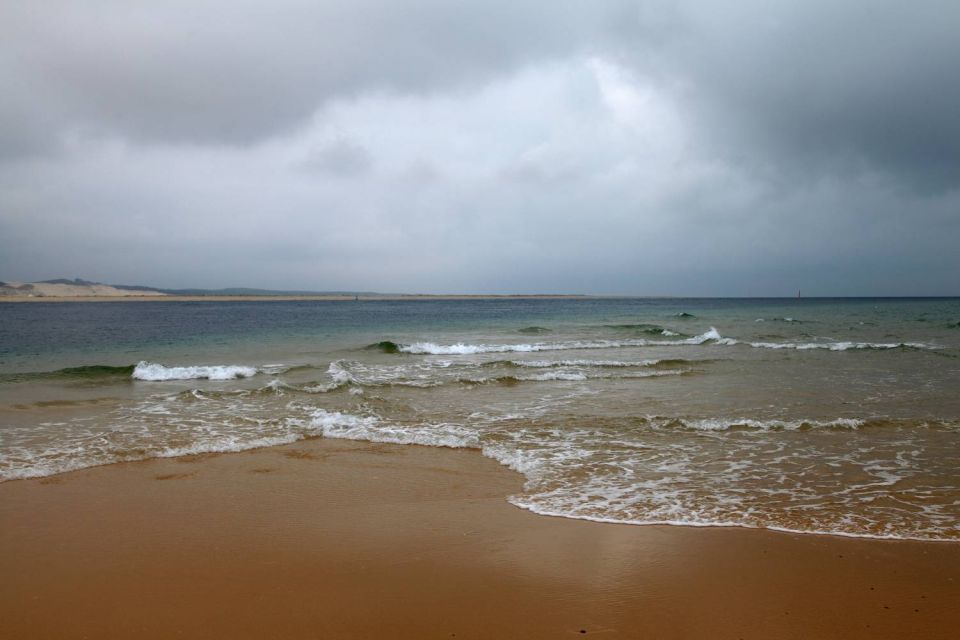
<point x="821" y="86"/>
<point x="613" y="147"/>
<point x="234" y="72"/>
<point x="340" y="156"/>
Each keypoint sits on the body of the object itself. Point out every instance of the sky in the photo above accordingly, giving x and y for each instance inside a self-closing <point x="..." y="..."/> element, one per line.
<point x="687" y="148"/>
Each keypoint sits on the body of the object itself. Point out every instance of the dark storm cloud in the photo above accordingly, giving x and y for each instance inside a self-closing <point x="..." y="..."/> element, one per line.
<point x="612" y="147"/>
<point x="827" y="83"/>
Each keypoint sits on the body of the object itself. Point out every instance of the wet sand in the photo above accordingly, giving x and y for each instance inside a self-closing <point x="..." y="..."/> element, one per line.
<point x="337" y="539"/>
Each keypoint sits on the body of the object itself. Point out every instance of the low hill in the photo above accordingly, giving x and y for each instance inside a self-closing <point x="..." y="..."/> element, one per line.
<point x="76" y="288"/>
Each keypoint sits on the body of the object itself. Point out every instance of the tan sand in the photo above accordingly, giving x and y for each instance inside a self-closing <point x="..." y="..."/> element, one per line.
<point x="47" y="289"/>
<point x="334" y="539"/>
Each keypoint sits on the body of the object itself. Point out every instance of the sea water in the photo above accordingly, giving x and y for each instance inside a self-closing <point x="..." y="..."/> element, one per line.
<point x="834" y="416"/>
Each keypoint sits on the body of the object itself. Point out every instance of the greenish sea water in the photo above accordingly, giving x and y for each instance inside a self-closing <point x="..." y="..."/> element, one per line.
<point x="836" y="416"/>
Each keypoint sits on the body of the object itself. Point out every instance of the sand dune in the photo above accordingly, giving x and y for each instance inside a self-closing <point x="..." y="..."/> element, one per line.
<point x="50" y="290"/>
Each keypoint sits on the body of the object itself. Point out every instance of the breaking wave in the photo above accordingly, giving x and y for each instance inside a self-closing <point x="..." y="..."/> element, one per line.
<point x="431" y="348"/>
<point x="711" y="335"/>
<point x="153" y="372"/>
<point x="385" y="346"/>
<point x="355" y="376"/>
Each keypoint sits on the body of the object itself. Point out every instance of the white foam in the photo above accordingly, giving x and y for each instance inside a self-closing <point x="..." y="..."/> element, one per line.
<point x="372" y="429"/>
<point x="720" y="424"/>
<point x="573" y="376"/>
<point x="150" y="371"/>
<point x="277" y="386"/>
<point x="223" y="429"/>
<point x="527" y="463"/>
<point x="835" y="346"/>
<point x="730" y="480"/>
<point x="339" y="373"/>
<point x="470" y="349"/>
<point x="652" y="374"/>
<point x="56" y="460"/>
<point x="711" y="334"/>
<point x="536" y="507"/>
<point x="806" y="346"/>
<point x="460" y="348"/>
<point x="543" y="364"/>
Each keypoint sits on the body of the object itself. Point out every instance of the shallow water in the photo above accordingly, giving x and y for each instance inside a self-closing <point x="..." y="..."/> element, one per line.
<point x="820" y="416"/>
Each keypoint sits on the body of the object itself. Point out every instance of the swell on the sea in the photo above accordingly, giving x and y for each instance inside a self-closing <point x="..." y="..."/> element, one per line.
<point x="711" y="336"/>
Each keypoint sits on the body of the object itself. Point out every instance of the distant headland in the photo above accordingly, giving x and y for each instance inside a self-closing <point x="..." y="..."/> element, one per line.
<point x="79" y="290"/>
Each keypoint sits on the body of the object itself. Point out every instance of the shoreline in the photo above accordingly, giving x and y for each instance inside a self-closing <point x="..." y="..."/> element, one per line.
<point x="337" y="538"/>
<point x="280" y="298"/>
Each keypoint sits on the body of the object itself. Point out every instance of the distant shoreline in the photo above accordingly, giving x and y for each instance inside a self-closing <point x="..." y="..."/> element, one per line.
<point x="281" y="298"/>
<point x="425" y="296"/>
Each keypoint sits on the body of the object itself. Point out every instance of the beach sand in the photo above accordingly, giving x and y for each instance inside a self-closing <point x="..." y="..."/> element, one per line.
<point x="339" y="539"/>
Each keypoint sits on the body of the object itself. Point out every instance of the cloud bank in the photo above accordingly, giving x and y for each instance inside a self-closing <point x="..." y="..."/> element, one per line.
<point x="607" y="147"/>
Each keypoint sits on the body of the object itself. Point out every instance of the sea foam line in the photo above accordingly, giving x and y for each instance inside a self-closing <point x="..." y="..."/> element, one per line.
<point x="544" y="364"/>
<point x="431" y="348"/>
<point x="16" y="462"/>
<point x="543" y="511"/>
<point x="721" y="424"/>
<point x="830" y="346"/>
<point x="537" y="465"/>
<point x="710" y="336"/>
<point x="534" y="464"/>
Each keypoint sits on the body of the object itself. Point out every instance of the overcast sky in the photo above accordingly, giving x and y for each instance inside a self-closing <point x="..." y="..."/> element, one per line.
<point x="628" y="147"/>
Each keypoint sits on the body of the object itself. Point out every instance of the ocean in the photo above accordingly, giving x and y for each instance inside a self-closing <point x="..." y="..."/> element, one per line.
<point x="821" y="416"/>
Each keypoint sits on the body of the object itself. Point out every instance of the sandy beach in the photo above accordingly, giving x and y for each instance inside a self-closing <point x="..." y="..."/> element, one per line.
<point x="504" y="321"/>
<point x="340" y="539"/>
